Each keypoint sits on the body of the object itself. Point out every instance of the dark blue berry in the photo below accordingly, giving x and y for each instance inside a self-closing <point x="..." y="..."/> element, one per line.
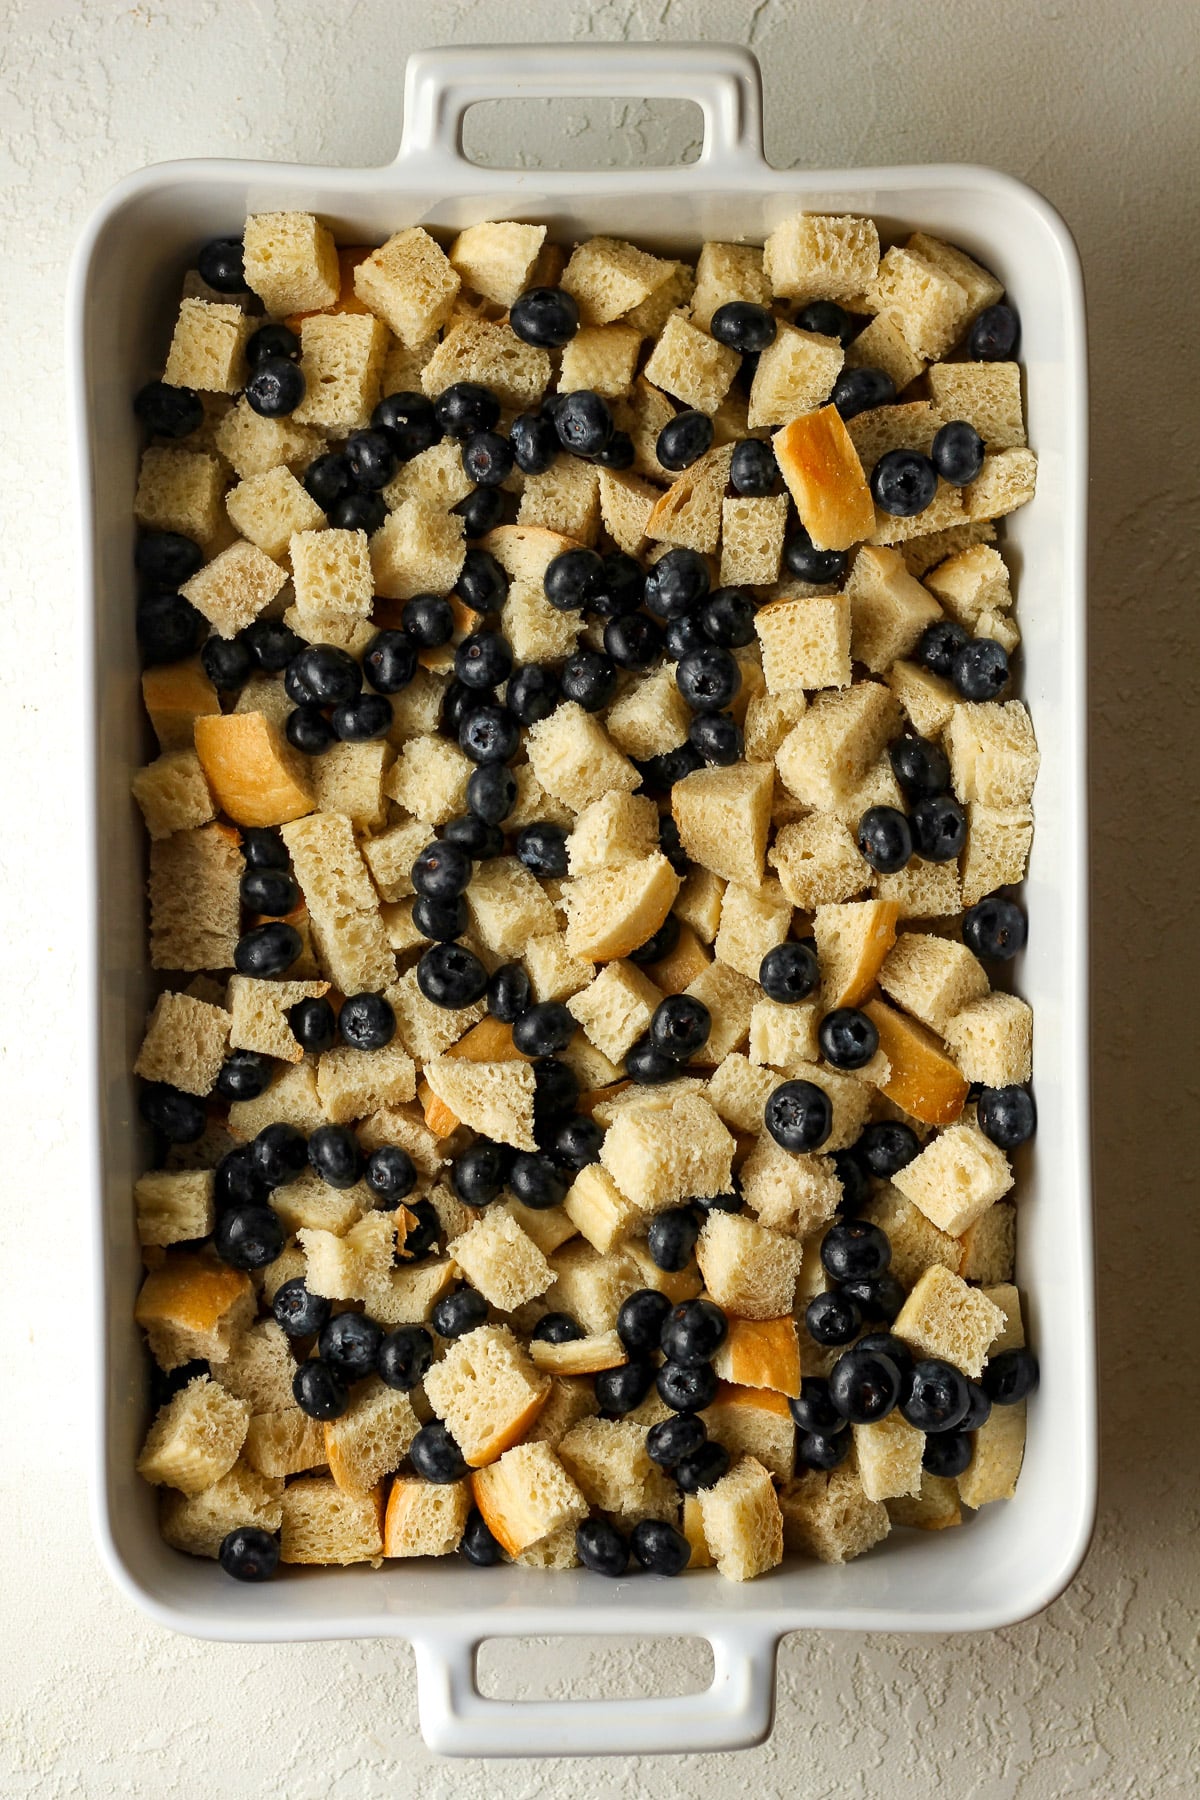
<point x="557" y="1328"/>
<point x="672" y="1439"/>
<point x="465" y="407"/>
<point x="979" y="1408"/>
<point x="995" y="928"/>
<point x="272" y="340"/>
<point x="702" y="1469"/>
<point x="263" y="848"/>
<point x="542" y="847"/>
<point x="477" y="1543"/>
<point x="178" y="1117"/>
<point x="367" y="1022"/>
<point x="660" y="945"/>
<point x="633" y="641"/>
<point x="947" y="1454"/>
<point x="1010" y="1376"/>
<point x="727" y="615"/>
<point x="619" y="1390"/>
<point x="371" y="458"/>
<point x="854" y="1249"/>
<point x="331" y="675"/>
<point x="816" y="1450"/>
<point x="683" y="439"/>
<point x="876" y="1296"/>
<point x="170" y="412"/>
<point x="864" y="1386"/>
<point x="391" y="1174"/>
<point x="166" y="558"/>
<point x="489" y="734"/>
<point x="640" y="1320"/>
<point x="618" y="453"/>
<point x="649" y="1066"/>
<point x="404" y="1356"/>
<point x="680" y="1026"/>
<point x="491" y="792"/>
<point x="744" y="326"/>
<point x="536" y="1181"/>
<point x="789" y="972"/>
<point x="886" y="1343"/>
<point x="921" y="768"/>
<point x="487" y="458"/>
<point x="583" y="422"/>
<point x="589" y="677"/>
<point x="938" y="645"/>
<point x="481" y="510"/>
<point x="826" y="319"/>
<point x="677" y="583"/>
<point x="267" y="950"/>
<point x="686" y="1387"/>
<point x="832" y="1318"/>
<point x="532" y="693"/>
<point x="350" y="1343"/>
<point x="409" y="421"/>
<point x="798" y="1115"/>
<point x="442" y="871"/>
<point x="227" y="663"/>
<point x="474" y="835"/>
<point x="577" y="1142"/>
<point x="221" y="264"/>
<point x="957" y="452"/>
<point x="903" y="482"/>
<point x="359" y="720"/>
<point x="478" y="1173"/>
<point x="572" y="578"/>
<point x="753" y="470"/>
<point x="280" y="1153"/>
<point x="435" y="1456"/>
<point x="856" y="1185"/>
<point x="848" y="1038"/>
<point x="534" y="442"/>
<point x="334" y="1152"/>
<point x="885" y="839"/>
<point x="544" y="1029"/>
<point x="717" y="738"/>
<point x="803" y="560"/>
<point x="457" y="1313"/>
<point x="660" y="773"/>
<point x="622" y="588"/>
<point x="308" y="730"/>
<point x="236" y="1181"/>
<point x="1007" y="1115"/>
<point x="659" y="1547"/>
<point x="249" y="1553"/>
<point x="390" y="659"/>
<point x="708" y="679"/>
<point x="545" y="316"/>
<point x="601" y="1548"/>
<point x="297" y="1311"/>
<point x="693" y="1332"/>
<point x="358" y="511"/>
<point x="508" y="993"/>
<point x="327" y="478"/>
<point x="168" y="628"/>
<point x="248" y="1237"/>
<point x="671" y="1238"/>
<point x="813" y="1410"/>
<point x="995" y="334"/>
<point x="934" y="1396"/>
<point x="980" y="669"/>
<point x="683" y="635"/>
<point x="483" y="659"/>
<point x="275" y="388"/>
<point x="244" y="1075"/>
<point x="859" y="390"/>
<point x="939" y="828"/>
<point x="887" y="1147"/>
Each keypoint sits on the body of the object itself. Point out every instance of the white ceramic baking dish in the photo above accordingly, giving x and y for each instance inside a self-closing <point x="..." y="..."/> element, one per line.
<point x="1012" y="1559"/>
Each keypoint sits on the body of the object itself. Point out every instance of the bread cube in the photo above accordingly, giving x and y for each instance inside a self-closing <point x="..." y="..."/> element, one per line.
<point x="945" y="1318"/>
<point x="748" y="1269"/>
<point x="579" y="1356"/>
<point x="911" y="425"/>
<point x="429" y="779"/>
<point x="991" y="1039"/>
<point x="352" y="1083"/>
<point x="310" y="1204"/>
<point x="599" y="1210"/>
<point x="418" y="549"/>
<point x="755" y="1422"/>
<point x="199" y="1523"/>
<point x="555" y="973"/>
<point x="195" y="905"/>
<point x="341" y="359"/>
<point x="671" y="293"/>
<point x="1006" y="481"/>
<point x="659" y="1159"/>
<point x="268" y="509"/>
<point x="997" y="849"/>
<point x="782" y="1035"/>
<point x="689" y="513"/>
<point x="570" y="1399"/>
<point x="795" y="374"/>
<point x="291" y="262"/>
<point x="291" y="1098"/>
<point x="742" y="1522"/>
<point x="370" y="1438"/>
<point x="805" y="643"/>
<point x="922" y="890"/>
<point x="391" y="855"/>
<point x="993" y="755"/>
<point x="348" y="779"/>
<point x="651" y="717"/>
<point x="752" y="532"/>
<point x="643" y="416"/>
<point x="889" y="608"/>
<point x="208" y="347"/>
<point x="427" y="1030"/>
<point x="502" y="1261"/>
<point x="726" y="272"/>
<point x="880" y="346"/>
<point x="888" y="1454"/>
<point x="425" y="1518"/>
<point x="626" y="502"/>
<point x="753" y="921"/>
<point x="611" y="912"/>
<point x="588" y="1285"/>
<point x="698" y="903"/>
<point x="996" y="1457"/>
<point x="409" y="283"/>
<point x="284" y="1443"/>
<point x="575" y="760"/>
<point x="615" y="1009"/>
<point x="492" y="354"/>
<point x="497" y="259"/>
<point x="928" y="307"/>
<point x="830" y="1517"/>
<point x="931" y="977"/>
<point x="617" y="828"/>
<point x="853" y="939"/>
<point x="185" y="1044"/>
<point x="508" y="906"/>
<point x="934" y="1506"/>
<point x="180" y="490"/>
<point x="323" y="1524"/>
<point x="255" y="446"/>
<point x="195" y="1438"/>
<point x="254" y="773"/>
<point x="927" y="699"/>
<point x="565" y="499"/>
<point x="818" y="861"/>
<point x="407" y="1296"/>
<point x="173" y="794"/>
<point x="234" y="588"/>
<point x="828" y="752"/>
<point x="724" y="815"/>
<point x="987" y="1247"/>
<point x="987" y="395"/>
<point x="916" y="1242"/>
<point x="526" y="1496"/>
<point x="174" y="1206"/>
<point x="259" y="1368"/>
<point x="608" y="278"/>
<point x="692" y="366"/>
<point x="350" y="1266"/>
<point x="956" y="1177"/>
<point x="609" y="1463"/>
<point x="730" y="997"/>
<point x="792" y="1194"/>
<point x="264" y="694"/>
<point x="332" y="572"/>
<point x="602" y="358"/>
<point x="816" y="256"/>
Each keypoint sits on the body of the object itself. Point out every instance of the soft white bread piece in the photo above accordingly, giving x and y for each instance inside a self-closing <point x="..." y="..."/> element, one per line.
<point x="853" y="939"/>
<point x="1006" y="481"/>
<point x="555" y="972"/>
<point x="944" y="1317"/>
<point x="626" y="502"/>
<point x="828" y="752"/>
<point x="199" y="1523"/>
<point x="565" y="498"/>
<point x="235" y="587"/>
<point x="525" y="1496"/>
<point x="761" y="1353"/>
<point x="992" y="1040"/>
<point x="805" y="642"/>
<point x="349" y="779"/>
<point x="501" y="1261"/>
<point x="175" y="695"/>
<point x="672" y="293"/>
<point x="986" y="1248"/>
<point x="599" y="1210"/>
<point x="350" y="1266"/>
<point x="754" y="1421"/>
<point x="408" y="1296"/>
<point x="818" y="861"/>
<point x="608" y="278"/>
<point x="184" y="1044"/>
<point x="260" y="1367"/>
<point x="1011" y="1335"/>
<point x="828" y="1516"/>
<point x="574" y="758"/>
<point x="752" y="533"/>
<point x="391" y="855"/>
<point x="996" y="1458"/>
<point x="253" y="445"/>
<point x="590" y="1286"/>
<point x="933" y="978"/>
<point x="496" y="259"/>
<point x="795" y="374"/>
<point x="888" y="1454"/>
<point x="741" y="1521"/>
<point x="934" y="1507"/>
<point x="923" y="890"/>
<point x="783" y="1035"/>
<point x="291" y="262"/>
<point x="342" y="904"/>
<point x="570" y="1399"/>
<point x="987" y="395"/>
<point x="916" y="1242"/>
<point x="419" y="548"/>
<point x="650" y="717"/>
<point x="173" y="793"/>
<point x="658" y="1159"/>
<point x="615" y="1009"/>
<point x="410" y="283"/>
<point x="997" y="851"/>
<point x="792" y="1194"/>
<point x="956" y="1177"/>
<point x="921" y="1077"/>
<point x="825" y="478"/>
<point x="927" y="699"/>
<point x="208" y="347"/>
<point x="310" y="1204"/>
<point x="692" y="366"/>
<point x="268" y="509"/>
<point x="405" y="1126"/>
<point x="769" y="718"/>
<point x="909" y="425"/>
<point x="181" y="490"/>
<point x="425" y="1518"/>
<point x="726" y="272"/>
<point x="748" y="1269"/>
<point x="682" y="965"/>
<point x="429" y="778"/>
<point x="753" y="921"/>
<point x="323" y="1524"/>
<point x="602" y="358"/>
<point x="926" y="304"/>
<point x="889" y="608"/>
<point x="548" y="1226"/>
<point x="174" y="1206"/>
<point x="609" y="1463"/>
<point x="371" y="1438"/>
<point x="192" y="1307"/>
<point x="698" y="903"/>
<point x="976" y="581"/>
<point x="435" y="476"/>
<point x="487" y="1391"/>
<point x="579" y="1356"/>
<point x="536" y="631"/>
<point x="978" y="284"/>
<point x="284" y="1443"/>
<point x="195" y="1438"/>
<point x="427" y="1030"/>
<point x="724" y="815"/>
<point x="929" y="548"/>
<point x="730" y="998"/>
<point x="254" y="773"/>
<point x="821" y="256"/>
<point x="880" y="346"/>
<point x="993" y="754"/>
<point x="739" y="1091"/>
<point x="489" y="352"/>
<point x="258" y="1012"/>
<point x="611" y="912"/>
<point x="292" y="1099"/>
<point x="508" y="906"/>
<point x="689" y="513"/>
<point x="495" y="1098"/>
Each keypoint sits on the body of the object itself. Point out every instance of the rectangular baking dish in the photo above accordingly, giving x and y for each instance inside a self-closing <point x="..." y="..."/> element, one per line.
<point x="1012" y="1559"/>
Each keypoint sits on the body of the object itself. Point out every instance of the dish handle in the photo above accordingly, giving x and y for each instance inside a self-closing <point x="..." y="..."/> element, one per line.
<point x="735" y="1712"/>
<point x="723" y="80"/>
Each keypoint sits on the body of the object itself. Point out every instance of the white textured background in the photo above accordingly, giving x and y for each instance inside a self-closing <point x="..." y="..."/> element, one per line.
<point x="1094" y="102"/>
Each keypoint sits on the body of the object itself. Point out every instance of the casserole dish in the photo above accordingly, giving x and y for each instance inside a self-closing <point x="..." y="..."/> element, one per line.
<point x="1011" y="1560"/>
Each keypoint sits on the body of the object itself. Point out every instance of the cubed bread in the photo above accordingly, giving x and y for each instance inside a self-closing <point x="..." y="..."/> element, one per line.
<point x="986" y="1248"/>
<point x="726" y="272"/>
<point x="1006" y="481"/>
<point x="428" y="1030"/>
<point x="173" y="793"/>
<point x="192" y="1307"/>
<point x="565" y="498"/>
<point x="618" y="827"/>
<point x="934" y="1506"/>
<point x="578" y="1356"/>
<point x="997" y="851"/>
<point x="429" y="779"/>
<point x="495" y="1098"/>
<point x="818" y="861"/>
<point x="692" y="366"/>
<point x="425" y="1518"/>
<point x="980" y="286"/>
<point x="889" y="608"/>
<point x="310" y="1204"/>
<point x="724" y="815"/>
<point x="348" y="779"/>
<point x="650" y="718"/>
<point x="487" y="1391"/>
<point x="341" y="359"/>
<point x="435" y="476"/>
<point x="888" y="1454"/>
<point x="235" y="587"/>
<point x="996" y="1457"/>
<point x="370" y="1438"/>
<point x="991" y="1039"/>
<point x="672" y="292"/>
<point x="410" y="283"/>
<point x="252" y="770"/>
<point x="199" y="1523"/>
<point x="283" y="1443"/>
<point x="601" y="358"/>
<point x="615" y="1009"/>
<point x="907" y="425"/>
<point x="508" y="906"/>
<point x="208" y="347"/>
<point x="195" y="908"/>
<point x="195" y="1438"/>
<point x="184" y="1044"/>
<point x="626" y="502"/>
<point x="819" y="256"/>
<point x="738" y="1092"/>
<point x="993" y="755"/>
<point x="502" y="1261"/>
<point x="526" y="1496"/>
<point x="689" y="513"/>
<point x="611" y="912"/>
<point x="352" y="1265"/>
<point x="921" y="1077"/>
<point x="782" y="1035"/>
<point x="180" y="490"/>
<point x="391" y="855"/>
<point x="753" y="921"/>
<point x="643" y="416"/>
<point x="574" y="758"/>
<point x="752" y="531"/>
<point x="407" y="1296"/>
<point x="945" y="1318"/>
<point x="748" y="1269"/>
<point x="730" y="998"/>
<point x="698" y="903"/>
<point x="795" y="374"/>
<point x="853" y="939"/>
<point x="761" y="1353"/>
<point x="805" y="642"/>
<point x="599" y="1210"/>
<point x="927" y="699"/>
<point x="609" y="1463"/>
<point x="331" y="571"/>
<point x="352" y="1083"/>
<point x="608" y="278"/>
<point x="933" y="978"/>
<point x="259" y="1368"/>
<point x="879" y="345"/>
<point x="588" y="1285"/>
<point x="754" y="1421"/>
<point x="922" y="890"/>
<point x="987" y="395"/>
<point x="570" y="1399"/>
<point x="291" y="262"/>
<point x="830" y="1517"/>
<point x="343" y="908"/>
<point x="174" y="1206"/>
<point x="658" y="1159"/>
<point x="496" y="259"/>
<point x="926" y="304"/>
<point x="742" y="1521"/>
<point x="825" y="478"/>
<point x="917" y="1243"/>
<point x="490" y="353"/>
<point x="793" y="1194"/>
<point x="418" y="549"/>
<point x="324" y="1524"/>
<point x="254" y="445"/>
<point x="929" y="548"/>
<point x="843" y="733"/>
<point x="956" y="1177"/>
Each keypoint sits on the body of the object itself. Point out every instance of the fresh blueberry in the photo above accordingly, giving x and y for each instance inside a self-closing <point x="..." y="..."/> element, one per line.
<point x="309" y="731"/>
<point x="717" y="738"/>
<point x="166" y="559"/>
<point x="938" y="645"/>
<point x="227" y="663"/>
<point x="477" y="1543"/>
<point x="267" y="950"/>
<point x="350" y="1343"/>
<point x="818" y="1450"/>
<point x="660" y="945"/>
<point x="483" y="659"/>
<point x="458" y="703"/>
<point x="410" y="422"/>
<point x="693" y="1332"/>
<point x="683" y="635"/>
<point x="178" y="1117"/>
<point x="333" y="1151"/>
<point x="544" y="1029"/>
<point x="670" y="843"/>
<point x="442" y="871"/>
<point x="533" y="693"/>
<point x="1010" y="1376"/>
<point x="789" y="972"/>
<point x="366" y="1021"/>
<point x="480" y="510"/>
<point x="727" y="615"/>
<point x="263" y="848"/>
<point x="832" y="1318"/>
<point x="826" y="319"/>
<point x="647" y="1065"/>
<point x="660" y="773"/>
<point x="798" y="1115"/>
<point x="934" y="1396"/>
<point x="887" y="1147"/>
<point x="487" y="458"/>
<point x="331" y="675"/>
<point x="244" y="1075"/>
<point x="280" y="1153"/>
<point x="743" y="326"/>
<point x="677" y="583"/>
<point x="422" y="1236"/>
<point x="618" y="453"/>
<point x="545" y="316"/>
<point x="577" y="1142"/>
<point x="856" y="1185"/>
<point x="491" y="792"/>
<point x="980" y="669"/>
<point x="168" y="628"/>
<point x="481" y="582"/>
<point x="864" y="1386"/>
<point x="1007" y="1115"/>
<point x="708" y="679"/>
<point x="886" y="1343"/>
<point x="534" y="442"/>
<point x="947" y="1453"/>
<point x="435" y="1456"/>
<point x="390" y="1174"/>
<point x="671" y="1238"/>
<point x="680" y="1026"/>
<point x="170" y="412"/>
<point x="848" y="1038"/>
<point x="640" y="1320"/>
<point x="390" y="659"/>
<point x="979" y="1408"/>
<point x="457" y="1313"/>
<point x="753" y="470"/>
<point x="885" y="839"/>
<point x="465" y="407"/>
<point x="633" y="641"/>
<point x="371" y="458"/>
<point x="478" y="1173"/>
<point x="249" y="1553"/>
<point x="995" y="334"/>
<point x="557" y="1328"/>
<point x="556" y="1090"/>
<point x="327" y="478"/>
<point x="659" y="1547"/>
<point x="221" y="264"/>
<point x="236" y="1181"/>
<point x="272" y="340"/>
<point x="855" y="1249"/>
<point x="921" y="768"/>
<point x="878" y="1297"/>
<point x="672" y="1439"/>
<point x="583" y="422"/>
<point x="536" y="1180"/>
<point x="619" y="1390"/>
<point x="489" y="734"/>
<point x="903" y="482"/>
<point x="404" y="1356"/>
<point x="859" y="390"/>
<point x="995" y="928"/>
<point x="957" y="453"/>
<point x="359" y="720"/>
<point x="298" y="1312"/>
<point x="275" y="388"/>
<point x="248" y="1237"/>
<point x="508" y="993"/>
<point x="542" y="847"/>
<point x="623" y="586"/>
<point x="686" y="1387"/>
<point x="702" y="1469"/>
<point x="813" y="1410"/>
<point x="589" y="677"/>
<point x="683" y="439"/>
<point x="939" y="828"/>
<point x="572" y="578"/>
<point x="474" y="835"/>
<point x="358" y="511"/>
<point x="803" y="560"/>
<point x="601" y="1548"/>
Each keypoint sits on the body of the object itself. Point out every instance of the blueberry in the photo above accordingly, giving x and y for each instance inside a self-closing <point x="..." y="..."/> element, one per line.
<point x="371" y="458"/>
<point x="789" y="972"/>
<point x="995" y="334"/>
<point x="957" y="453"/>
<point x="903" y="482"/>
<point x="358" y="721"/>
<point x="859" y="390"/>
<point x="309" y="731"/>
<point x="170" y="412"/>
<point x="426" y="619"/>
<point x="272" y="644"/>
<point x="939" y="828"/>
<point x="544" y="1029"/>
<point x="474" y="835"/>
<point x="727" y="616"/>
<point x="647" y="1065"/>
<point x="885" y="839"/>
<point x="633" y="641"/>
<point x="487" y="458"/>
<point x="280" y="1153"/>
<point x="571" y="579"/>
<point x="391" y="1174"/>
<point x="236" y="1181"/>
<point x="659" y="1547"/>
<point x="327" y="478"/>
<point x="886" y="1343"/>
<point x="435" y="1456"/>
<point x="708" y="679"/>
<point x="244" y="1075"/>
<point x="660" y="945"/>
<point x="1010" y="1376"/>
<point x="671" y="1238"/>
<point x="817" y="1450"/>
<point x="798" y="1115"/>
<point x="601" y="1548"/>
<point x="330" y="674"/>
<point x="618" y="453"/>
<point x="542" y="847"/>
<point x="390" y="659"/>
<point x="248" y="1237"/>
<point x="640" y="1320"/>
<point x="491" y="792"/>
<point x="660" y="773"/>
<point x="267" y="950"/>
<point x="753" y="470"/>
<point x="672" y="1439"/>
<point x="275" y="388"/>
<point x="478" y="1173"/>
<point x="848" y="1038"/>
<point x="298" y="1312"/>
<point x="536" y="1181"/>
<point x="677" y="583"/>
<point x="693" y="1332"/>
<point x="249" y="1553"/>
<point x="679" y="1026"/>
<point x="577" y="1142"/>
<point x="683" y="439"/>
<point x="938" y="645"/>
<point x="826" y="319"/>
<point x="442" y="871"/>
<point x="272" y="340"/>
<point x="556" y="1090"/>
<point x="589" y="677"/>
<point x="855" y="1249"/>
<point x="333" y="1151"/>
<point x="702" y="1469"/>
<point x="832" y="1318"/>
<point x="979" y="1408"/>
<point x="887" y="1147"/>
<point x="934" y="1396"/>
<point x="404" y="1356"/>
<point x="921" y="768"/>
<point x="623" y="586"/>
<point x="557" y="1328"/>
<point x="227" y="663"/>
<point x="742" y="325"/>
<point x="222" y="266"/>
<point x="178" y="1117"/>
<point x="423" y="1236"/>
<point x="947" y="1453"/>
<point x="366" y="1021"/>
<point x="583" y="422"/>
<point x="409" y="420"/>
<point x="466" y="407"/>
<point x="168" y="628"/>
<point x="489" y="734"/>
<point x="621" y="1389"/>
<point x="166" y="558"/>
<point x="480" y="510"/>
<point x="534" y="442"/>
<point x="669" y="841"/>
<point x="803" y="559"/>
<point x="876" y="1296"/>
<point x="457" y="1313"/>
<point x="856" y="1184"/>
<point x="263" y="848"/>
<point x="508" y="992"/>
<point x="545" y="316"/>
<point x="1007" y="1115"/>
<point x="477" y="1543"/>
<point x="864" y="1386"/>
<point x="358" y="512"/>
<point x="532" y="693"/>
<point x="995" y="928"/>
<point x="980" y="669"/>
<point x="350" y="1344"/>
<point x="686" y="1388"/>
<point x="813" y="1410"/>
